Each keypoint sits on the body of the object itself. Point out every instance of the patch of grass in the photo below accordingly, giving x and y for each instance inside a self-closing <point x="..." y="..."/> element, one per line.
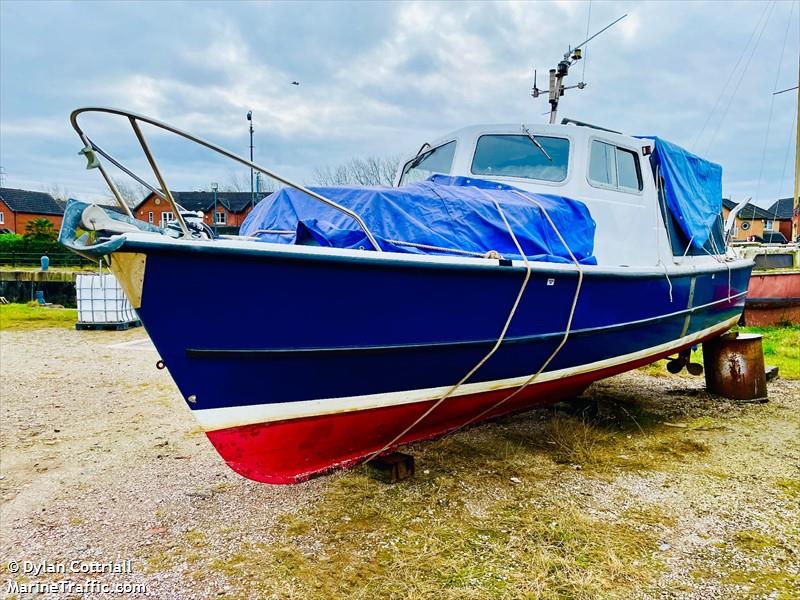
<point x="656" y="369"/>
<point x="369" y="540"/>
<point x="781" y="348"/>
<point x="31" y="316"/>
<point x="188" y="552"/>
<point x="762" y="583"/>
<point x="609" y="435"/>
<point x="790" y="487"/>
<point x="678" y="447"/>
<point x="704" y="422"/>
<point x="222" y="487"/>
<point x="753" y="541"/>
<point x="575" y="440"/>
<point x="69" y="269"/>
<point x="479" y="520"/>
<point x="770" y="577"/>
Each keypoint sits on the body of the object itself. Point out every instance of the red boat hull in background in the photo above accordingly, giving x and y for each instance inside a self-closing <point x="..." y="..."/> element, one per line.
<point x="773" y="298"/>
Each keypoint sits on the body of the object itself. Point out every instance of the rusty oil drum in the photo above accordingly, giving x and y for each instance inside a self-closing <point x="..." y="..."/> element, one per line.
<point x="734" y="366"/>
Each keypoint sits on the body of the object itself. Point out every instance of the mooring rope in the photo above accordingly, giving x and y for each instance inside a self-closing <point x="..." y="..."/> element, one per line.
<point x="555" y="352"/>
<point x="481" y="362"/>
<point x="664" y="215"/>
<point x="719" y="257"/>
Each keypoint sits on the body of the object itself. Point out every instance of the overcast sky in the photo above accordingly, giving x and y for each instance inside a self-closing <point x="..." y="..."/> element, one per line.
<point x="381" y="78"/>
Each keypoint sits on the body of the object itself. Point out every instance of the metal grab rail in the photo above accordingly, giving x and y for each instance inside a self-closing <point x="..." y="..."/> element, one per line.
<point x="164" y="192"/>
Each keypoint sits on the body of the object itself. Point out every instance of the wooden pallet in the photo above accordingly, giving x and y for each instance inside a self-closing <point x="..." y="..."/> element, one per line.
<point x="107" y="326"/>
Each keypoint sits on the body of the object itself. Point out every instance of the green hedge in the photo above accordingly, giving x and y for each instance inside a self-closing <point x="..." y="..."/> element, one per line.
<point x="23" y="245"/>
<point x="19" y="251"/>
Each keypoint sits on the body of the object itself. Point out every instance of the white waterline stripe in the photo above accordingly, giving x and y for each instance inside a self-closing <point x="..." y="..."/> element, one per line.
<point x="211" y="419"/>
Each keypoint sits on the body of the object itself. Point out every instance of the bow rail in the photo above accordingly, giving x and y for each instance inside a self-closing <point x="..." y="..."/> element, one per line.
<point x="91" y="149"/>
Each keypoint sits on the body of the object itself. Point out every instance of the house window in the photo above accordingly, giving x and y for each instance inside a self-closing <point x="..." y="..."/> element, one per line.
<point x="166" y="218"/>
<point x="2" y="218"/>
<point x="220" y="218"/>
<point x="769" y="226"/>
<point x="614" y="167"/>
<point x="150" y="216"/>
<point x="519" y="156"/>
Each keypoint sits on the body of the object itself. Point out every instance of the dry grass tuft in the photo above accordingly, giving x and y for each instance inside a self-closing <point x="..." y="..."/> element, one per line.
<point x="364" y="539"/>
<point x="575" y="440"/>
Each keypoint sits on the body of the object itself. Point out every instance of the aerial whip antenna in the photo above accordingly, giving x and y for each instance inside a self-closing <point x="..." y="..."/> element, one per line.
<point x="557" y="75"/>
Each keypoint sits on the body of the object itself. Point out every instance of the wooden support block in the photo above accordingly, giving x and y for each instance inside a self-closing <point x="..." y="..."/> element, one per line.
<point x="391" y="468"/>
<point x="771" y="372"/>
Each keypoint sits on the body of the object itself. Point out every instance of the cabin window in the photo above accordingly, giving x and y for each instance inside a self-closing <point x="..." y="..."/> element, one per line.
<point x="220" y="218"/>
<point x="436" y="160"/>
<point x="519" y="156"/>
<point x="166" y="218"/>
<point x="612" y="166"/>
<point x="150" y="216"/>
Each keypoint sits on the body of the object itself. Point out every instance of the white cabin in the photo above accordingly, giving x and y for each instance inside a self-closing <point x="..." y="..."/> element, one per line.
<point x="607" y="171"/>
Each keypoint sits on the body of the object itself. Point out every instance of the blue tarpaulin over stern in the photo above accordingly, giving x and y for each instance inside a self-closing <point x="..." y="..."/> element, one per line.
<point x="692" y="187"/>
<point x="443" y="212"/>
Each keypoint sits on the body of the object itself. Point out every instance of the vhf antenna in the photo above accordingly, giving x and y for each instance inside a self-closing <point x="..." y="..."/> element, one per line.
<point x="557" y="88"/>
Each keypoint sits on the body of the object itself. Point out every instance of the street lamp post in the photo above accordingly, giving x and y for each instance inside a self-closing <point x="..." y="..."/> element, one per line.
<point x="252" y="191"/>
<point x="214" y="188"/>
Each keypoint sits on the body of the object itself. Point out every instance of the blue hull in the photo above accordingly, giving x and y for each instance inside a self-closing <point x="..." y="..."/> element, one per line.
<point x="299" y="360"/>
<point x="301" y="328"/>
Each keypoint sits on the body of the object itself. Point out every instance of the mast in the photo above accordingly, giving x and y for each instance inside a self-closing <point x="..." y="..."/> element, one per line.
<point x="557" y="75"/>
<point x="796" y="201"/>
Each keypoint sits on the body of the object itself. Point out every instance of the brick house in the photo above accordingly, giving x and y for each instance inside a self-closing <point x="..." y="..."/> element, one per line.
<point x="751" y="221"/>
<point x="781" y="210"/>
<point x="232" y="208"/>
<point x="20" y="207"/>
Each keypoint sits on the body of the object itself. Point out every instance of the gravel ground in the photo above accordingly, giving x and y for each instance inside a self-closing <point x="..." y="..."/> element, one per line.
<point x="100" y="460"/>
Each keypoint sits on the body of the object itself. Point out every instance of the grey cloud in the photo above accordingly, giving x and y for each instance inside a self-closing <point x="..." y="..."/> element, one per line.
<point x="377" y="78"/>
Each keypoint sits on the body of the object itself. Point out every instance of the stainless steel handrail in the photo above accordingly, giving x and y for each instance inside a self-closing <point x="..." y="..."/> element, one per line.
<point x="134" y="117"/>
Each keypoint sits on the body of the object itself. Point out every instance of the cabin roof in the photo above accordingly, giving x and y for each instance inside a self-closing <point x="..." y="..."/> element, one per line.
<point x="545" y="129"/>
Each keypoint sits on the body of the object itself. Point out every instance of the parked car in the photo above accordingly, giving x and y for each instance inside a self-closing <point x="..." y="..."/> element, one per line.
<point x="769" y="237"/>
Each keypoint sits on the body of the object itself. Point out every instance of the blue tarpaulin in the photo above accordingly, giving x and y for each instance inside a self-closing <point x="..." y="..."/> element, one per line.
<point x="692" y="188"/>
<point x="443" y="212"/>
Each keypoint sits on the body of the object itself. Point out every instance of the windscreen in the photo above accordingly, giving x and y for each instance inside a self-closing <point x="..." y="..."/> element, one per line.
<point x="519" y="156"/>
<point x="433" y="162"/>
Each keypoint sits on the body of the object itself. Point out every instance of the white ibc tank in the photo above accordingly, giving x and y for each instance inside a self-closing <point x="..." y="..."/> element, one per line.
<point x="101" y="300"/>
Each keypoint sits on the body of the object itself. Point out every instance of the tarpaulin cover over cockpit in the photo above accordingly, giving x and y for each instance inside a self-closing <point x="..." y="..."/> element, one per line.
<point x="429" y="217"/>
<point x="692" y="188"/>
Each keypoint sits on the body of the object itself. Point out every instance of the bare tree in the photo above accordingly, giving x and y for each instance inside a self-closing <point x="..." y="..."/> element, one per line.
<point x="240" y="182"/>
<point x="57" y="192"/>
<point x="372" y="170"/>
<point x="132" y="193"/>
